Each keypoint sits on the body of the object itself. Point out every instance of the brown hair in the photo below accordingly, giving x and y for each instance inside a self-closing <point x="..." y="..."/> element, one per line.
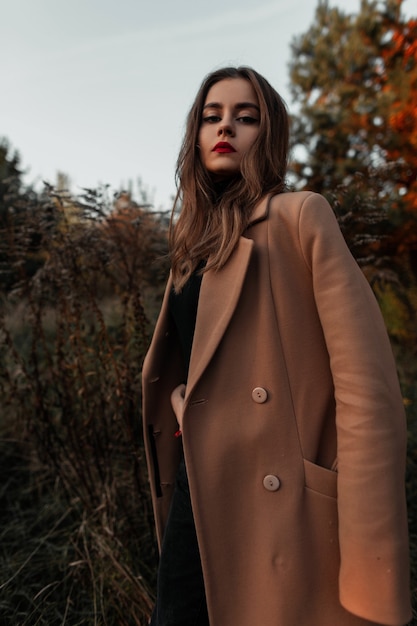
<point x="210" y="224"/>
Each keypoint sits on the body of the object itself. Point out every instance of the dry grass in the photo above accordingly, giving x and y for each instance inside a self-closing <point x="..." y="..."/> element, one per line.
<point x="78" y="543"/>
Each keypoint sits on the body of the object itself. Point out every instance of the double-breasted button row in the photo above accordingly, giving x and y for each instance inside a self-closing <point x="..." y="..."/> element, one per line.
<point x="259" y="395"/>
<point x="270" y="482"/>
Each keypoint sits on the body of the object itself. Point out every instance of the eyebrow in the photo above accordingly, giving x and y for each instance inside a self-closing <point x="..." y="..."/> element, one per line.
<point x="239" y="105"/>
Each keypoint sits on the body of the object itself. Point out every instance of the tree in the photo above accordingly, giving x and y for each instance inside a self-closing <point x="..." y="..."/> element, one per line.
<point x="400" y="60"/>
<point x="355" y="79"/>
<point x="20" y="251"/>
<point x="10" y="180"/>
<point x="400" y="86"/>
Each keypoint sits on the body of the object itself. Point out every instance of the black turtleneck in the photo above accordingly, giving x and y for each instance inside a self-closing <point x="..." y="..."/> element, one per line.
<point x="183" y="308"/>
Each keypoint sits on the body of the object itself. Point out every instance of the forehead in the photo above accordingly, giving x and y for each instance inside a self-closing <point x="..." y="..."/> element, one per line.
<point x="230" y="91"/>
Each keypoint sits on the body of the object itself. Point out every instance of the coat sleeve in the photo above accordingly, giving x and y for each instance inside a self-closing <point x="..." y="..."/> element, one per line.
<point x="370" y="422"/>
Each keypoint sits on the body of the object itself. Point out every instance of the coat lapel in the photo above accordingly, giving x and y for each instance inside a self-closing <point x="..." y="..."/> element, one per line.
<point x="219" y="295"/>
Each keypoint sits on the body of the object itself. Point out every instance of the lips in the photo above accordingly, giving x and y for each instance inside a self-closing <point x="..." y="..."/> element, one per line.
<point x="223" y="148"/>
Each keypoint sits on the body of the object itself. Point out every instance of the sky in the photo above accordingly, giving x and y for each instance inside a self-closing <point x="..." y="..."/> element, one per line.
<point x="100" y="89"/>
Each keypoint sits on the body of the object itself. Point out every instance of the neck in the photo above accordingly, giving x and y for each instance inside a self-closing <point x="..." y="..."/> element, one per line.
<point x="221" y="186"/>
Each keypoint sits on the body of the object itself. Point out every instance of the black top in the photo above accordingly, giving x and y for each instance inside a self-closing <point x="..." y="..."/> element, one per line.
<point x="183" y="308"/>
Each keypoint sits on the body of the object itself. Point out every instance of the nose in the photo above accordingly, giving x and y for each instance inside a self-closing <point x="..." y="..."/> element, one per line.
<point x="225" y="129"/>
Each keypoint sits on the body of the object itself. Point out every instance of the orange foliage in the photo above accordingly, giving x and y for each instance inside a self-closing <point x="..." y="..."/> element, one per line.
<point x="400" y="57"/>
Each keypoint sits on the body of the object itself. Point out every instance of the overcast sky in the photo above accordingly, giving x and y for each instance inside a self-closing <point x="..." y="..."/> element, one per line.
<point x="100" y="89"/>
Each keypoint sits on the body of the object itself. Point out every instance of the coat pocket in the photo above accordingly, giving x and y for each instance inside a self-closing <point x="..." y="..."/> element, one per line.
<point x="320" y="479"/>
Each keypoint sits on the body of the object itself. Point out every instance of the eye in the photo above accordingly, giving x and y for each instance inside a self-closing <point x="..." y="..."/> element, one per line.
<point x="211" y="119"/>
<point x="247" y="119"/>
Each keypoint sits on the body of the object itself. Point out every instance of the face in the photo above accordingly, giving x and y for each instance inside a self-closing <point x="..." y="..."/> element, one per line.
<point x="229" y="126"/>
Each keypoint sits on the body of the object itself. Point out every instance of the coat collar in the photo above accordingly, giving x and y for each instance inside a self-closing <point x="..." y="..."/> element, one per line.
<point x="261" y="210"/>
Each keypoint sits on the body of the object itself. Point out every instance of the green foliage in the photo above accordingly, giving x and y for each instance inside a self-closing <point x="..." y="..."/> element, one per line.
<point x="16" y="201"/>
<point x="10" y="178"/>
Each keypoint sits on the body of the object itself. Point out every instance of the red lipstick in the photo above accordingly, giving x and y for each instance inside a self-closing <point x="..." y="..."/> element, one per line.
<point x="223" y="147"/>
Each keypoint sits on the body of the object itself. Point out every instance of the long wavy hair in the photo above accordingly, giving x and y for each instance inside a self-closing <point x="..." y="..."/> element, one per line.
<point x="211" y="221"/>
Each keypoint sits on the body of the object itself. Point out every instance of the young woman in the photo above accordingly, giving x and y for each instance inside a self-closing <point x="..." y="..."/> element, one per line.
<point x="274" y="425"/>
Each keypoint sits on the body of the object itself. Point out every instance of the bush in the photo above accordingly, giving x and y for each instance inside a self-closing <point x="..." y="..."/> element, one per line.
<point x="76" y="521"/>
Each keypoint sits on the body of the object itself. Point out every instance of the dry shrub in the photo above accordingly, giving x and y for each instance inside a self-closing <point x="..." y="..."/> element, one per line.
<point x="76" y="522"/>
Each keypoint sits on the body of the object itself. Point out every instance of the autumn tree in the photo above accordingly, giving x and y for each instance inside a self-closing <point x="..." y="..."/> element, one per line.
<point x="354" y="77"/>
<point x="400" y="61"/>
<point x="400" y="86"/>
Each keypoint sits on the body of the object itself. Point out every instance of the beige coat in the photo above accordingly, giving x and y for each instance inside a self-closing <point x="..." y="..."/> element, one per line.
<point x="293" y="431"/>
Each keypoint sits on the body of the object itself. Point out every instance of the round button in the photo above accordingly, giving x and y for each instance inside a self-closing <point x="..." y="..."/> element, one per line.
<point x="259" y="395"/>
<point x="271" y="482"/>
